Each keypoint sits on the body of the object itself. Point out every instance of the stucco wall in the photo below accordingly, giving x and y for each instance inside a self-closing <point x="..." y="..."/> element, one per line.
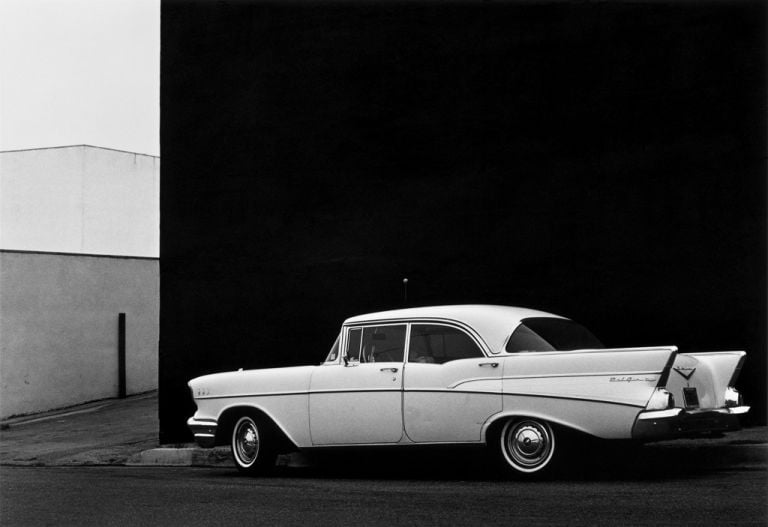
<point x="80" y="199"/>
<point x="59" y="328"/>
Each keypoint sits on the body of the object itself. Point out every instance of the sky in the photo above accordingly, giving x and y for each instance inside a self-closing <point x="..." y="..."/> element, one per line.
<point x="80" y="72"/>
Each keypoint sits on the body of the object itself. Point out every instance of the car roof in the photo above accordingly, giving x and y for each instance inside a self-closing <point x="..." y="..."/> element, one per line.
<point x="492" y="323"/>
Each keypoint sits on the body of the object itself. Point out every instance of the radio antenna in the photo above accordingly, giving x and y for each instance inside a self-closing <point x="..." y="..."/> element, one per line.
<point x="405" y="291"/>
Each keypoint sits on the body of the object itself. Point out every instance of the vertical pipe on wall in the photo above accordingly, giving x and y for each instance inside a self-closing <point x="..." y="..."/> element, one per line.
<point x="121" y="355"/>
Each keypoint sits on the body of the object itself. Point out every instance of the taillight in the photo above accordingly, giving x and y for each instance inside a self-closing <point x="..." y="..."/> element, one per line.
<point x="732" y="397"/>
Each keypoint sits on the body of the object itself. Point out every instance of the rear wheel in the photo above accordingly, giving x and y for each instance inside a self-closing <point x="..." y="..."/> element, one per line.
<point x="252" y="450"/>
<point x="527" y="447"/>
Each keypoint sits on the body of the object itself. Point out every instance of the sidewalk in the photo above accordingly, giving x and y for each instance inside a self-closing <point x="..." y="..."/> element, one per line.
<point x="124" y="432"/>
<point x="104" y="432"/>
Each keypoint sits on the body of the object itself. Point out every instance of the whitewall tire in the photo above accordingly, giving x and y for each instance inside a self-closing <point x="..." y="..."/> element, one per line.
<point x="251" y="449"/>
<point x="527" y="447"/>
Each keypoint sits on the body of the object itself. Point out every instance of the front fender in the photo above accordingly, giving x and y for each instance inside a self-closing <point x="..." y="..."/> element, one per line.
<point x="229" y="413"/>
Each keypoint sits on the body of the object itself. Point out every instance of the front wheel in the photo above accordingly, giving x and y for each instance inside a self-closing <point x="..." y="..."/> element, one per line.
<point x="251" y="449"/>
<point x="527" y="447"/>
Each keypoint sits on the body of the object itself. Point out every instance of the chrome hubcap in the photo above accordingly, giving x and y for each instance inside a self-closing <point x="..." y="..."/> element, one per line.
<point x="247" y="441"/>
<point x="528" y="444"/>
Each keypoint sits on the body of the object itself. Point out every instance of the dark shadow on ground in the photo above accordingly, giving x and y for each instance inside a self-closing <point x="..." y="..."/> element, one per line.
<point x="592" y="461"/>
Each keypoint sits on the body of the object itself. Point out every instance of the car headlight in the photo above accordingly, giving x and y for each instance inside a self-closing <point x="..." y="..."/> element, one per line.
<point x="661" y="400"/>
<point x="732" y="397"/>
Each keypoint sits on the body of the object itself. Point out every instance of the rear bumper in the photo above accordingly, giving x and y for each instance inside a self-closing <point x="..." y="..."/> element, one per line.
<point x="676" y="422"/>
<point x="204" y="431"/>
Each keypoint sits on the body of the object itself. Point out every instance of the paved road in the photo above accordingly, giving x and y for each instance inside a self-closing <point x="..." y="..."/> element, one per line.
<point x="205" y="496"/>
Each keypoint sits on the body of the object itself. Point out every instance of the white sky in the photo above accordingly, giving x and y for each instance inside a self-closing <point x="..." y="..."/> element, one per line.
<point x="80" y="72"/>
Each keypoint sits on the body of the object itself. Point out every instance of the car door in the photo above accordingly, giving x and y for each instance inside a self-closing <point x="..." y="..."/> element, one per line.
<point x="450" y="388"/>
<point x="359" y="399"/>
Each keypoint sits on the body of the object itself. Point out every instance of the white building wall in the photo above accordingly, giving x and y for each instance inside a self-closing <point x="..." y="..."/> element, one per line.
<point x="80" y="199"/>
<point x="97" y="210"/>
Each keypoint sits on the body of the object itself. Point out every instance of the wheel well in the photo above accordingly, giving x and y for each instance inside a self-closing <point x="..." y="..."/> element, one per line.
<point x="229" y="417"/>
<point x="493" y="431"/>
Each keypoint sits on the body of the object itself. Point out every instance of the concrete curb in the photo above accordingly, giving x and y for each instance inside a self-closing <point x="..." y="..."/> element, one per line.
<point x="218" y="457"/>
<point x="182" y="457"/>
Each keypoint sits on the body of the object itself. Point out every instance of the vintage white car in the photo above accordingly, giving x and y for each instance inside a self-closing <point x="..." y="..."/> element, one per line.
<point x="517" y="380"/>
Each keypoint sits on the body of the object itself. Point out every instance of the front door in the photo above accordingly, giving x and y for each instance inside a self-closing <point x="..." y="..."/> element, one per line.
<point x="359" y="400"/>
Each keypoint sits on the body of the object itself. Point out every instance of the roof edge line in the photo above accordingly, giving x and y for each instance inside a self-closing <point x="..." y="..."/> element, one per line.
<point x="78" y="146"/>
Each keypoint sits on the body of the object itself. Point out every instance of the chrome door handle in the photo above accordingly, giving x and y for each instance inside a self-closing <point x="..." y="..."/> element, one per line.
<point x="491" y="364"/>
<point x="393" y="370"/>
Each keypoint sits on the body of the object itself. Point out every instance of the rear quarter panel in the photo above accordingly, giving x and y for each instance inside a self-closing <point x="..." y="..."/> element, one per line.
<point x="599" y="392"/>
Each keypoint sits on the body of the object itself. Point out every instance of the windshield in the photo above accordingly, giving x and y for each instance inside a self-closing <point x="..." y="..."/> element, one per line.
<point x="334" y="353"/>
<point x="551" y="334"/>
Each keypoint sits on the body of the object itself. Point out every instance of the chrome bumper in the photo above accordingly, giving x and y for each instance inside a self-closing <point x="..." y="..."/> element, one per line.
<point x="204" y="431"/>
<point x="677" y="422"/>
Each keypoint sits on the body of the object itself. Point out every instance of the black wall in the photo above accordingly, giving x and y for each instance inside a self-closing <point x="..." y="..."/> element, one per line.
<point x="604" y="161"/>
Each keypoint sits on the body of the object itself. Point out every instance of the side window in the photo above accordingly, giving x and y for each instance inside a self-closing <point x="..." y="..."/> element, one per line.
<point x="435" y="344"/>
<point x="383" y="343"/>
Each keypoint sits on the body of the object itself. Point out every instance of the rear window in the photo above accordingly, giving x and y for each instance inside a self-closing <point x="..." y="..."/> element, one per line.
<point x="551" y="334"/>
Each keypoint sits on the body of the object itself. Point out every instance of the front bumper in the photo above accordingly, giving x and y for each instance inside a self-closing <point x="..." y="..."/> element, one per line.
<point x="204" y="431"/>
<point x="677" y="422"/>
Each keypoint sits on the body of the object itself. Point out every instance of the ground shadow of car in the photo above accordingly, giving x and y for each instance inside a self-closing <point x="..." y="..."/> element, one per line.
<point x="589" y="461"/>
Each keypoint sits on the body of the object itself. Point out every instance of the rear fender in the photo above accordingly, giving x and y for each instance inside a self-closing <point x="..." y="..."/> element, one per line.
<point x="624" y="376"/>
<point x="598" y="392"/>
<point x="494" y="424"/>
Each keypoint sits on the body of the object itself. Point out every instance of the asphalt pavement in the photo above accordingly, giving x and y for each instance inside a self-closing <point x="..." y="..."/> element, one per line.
<point x="120" y="496"/>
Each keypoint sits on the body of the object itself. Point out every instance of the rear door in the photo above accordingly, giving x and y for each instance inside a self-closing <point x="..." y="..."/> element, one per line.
<point x="450" y="387"/>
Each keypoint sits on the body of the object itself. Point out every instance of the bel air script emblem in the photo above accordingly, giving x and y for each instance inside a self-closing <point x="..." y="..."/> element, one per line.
<point x="629" y="378"/>
<point x="686" y="373"/>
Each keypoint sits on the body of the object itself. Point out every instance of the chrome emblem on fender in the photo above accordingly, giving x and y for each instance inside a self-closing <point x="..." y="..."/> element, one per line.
<point x="686" y="373"/>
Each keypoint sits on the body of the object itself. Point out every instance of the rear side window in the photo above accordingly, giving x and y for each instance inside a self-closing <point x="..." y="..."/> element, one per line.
<point x="551" y="334"/>
<point x="436" y="344"/>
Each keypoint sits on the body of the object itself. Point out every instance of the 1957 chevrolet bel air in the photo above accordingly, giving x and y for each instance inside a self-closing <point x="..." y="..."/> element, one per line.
<point x="517" y="380"/>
